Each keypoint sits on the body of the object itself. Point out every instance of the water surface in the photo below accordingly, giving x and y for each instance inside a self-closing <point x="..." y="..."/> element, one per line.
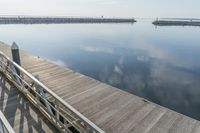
<point x="161" y="64"/>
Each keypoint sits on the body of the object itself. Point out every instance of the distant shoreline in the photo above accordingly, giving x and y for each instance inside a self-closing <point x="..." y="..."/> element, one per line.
<point x="61" y="20"/>
<point x="176" y="23"/>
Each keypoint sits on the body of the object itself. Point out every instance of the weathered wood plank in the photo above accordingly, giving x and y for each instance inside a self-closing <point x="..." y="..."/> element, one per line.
<point x="90" y="102"/>
<point x="86" y="94"/>
<point x="76" y="88"/>
<point x="187" y="125"/>
<point x="196" y="129"/>
<point x="165" y="123"/>
<point x="111" y="109"/>
<point x="53" y="71"/>
<point x="42" y="68"/>
<point x="55" y="77"/>
<point x="149" y="121"/>
<point x="130" y="108"/>
<point x="125" y="124"/>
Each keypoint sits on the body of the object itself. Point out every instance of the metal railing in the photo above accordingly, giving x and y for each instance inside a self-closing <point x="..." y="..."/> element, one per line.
<point x="4" y="125"/>
<point x="57" y="111"/>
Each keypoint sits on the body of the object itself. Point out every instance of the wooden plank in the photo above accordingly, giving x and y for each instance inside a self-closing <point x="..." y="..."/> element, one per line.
<point x="31" y="118"/>
<point x="165" y="123"/>
<point x="53" y="75"/>
<point x="187" y="125"/>
<point x="196" y="129"/>
<point x="92" y="99"/>
<point x="108" y="111"/>
<point x="105" y="102"/>
<point x="10" y="99"/>
<point x="41" y="68"/>
<point x="31" y="62"/>
<point x="50" y="72"/>
<point x="132" y="107"/>
<point x="61" y="77"/>
<point x="34" y="63"/>
<point x="85" y="94"/>
<point x="79" y="91"/>
<point x="78" y="87"/>
<point x="61" y="81"/>
<point x="149" y="121"/>
<point x="125" y="124"/>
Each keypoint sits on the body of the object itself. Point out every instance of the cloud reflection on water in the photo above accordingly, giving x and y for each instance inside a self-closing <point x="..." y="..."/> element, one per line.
<point x="154" y="73"/>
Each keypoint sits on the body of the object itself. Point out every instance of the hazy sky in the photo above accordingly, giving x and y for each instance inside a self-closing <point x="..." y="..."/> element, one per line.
<point x="109" y="8"/>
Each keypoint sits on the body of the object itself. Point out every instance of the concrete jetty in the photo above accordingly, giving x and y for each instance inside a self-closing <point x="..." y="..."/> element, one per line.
<point x="62" y="20"/>
<point x="176" y="23"/>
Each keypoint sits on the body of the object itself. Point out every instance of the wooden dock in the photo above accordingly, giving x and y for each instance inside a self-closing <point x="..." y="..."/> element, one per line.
<point x="111" y="109"/>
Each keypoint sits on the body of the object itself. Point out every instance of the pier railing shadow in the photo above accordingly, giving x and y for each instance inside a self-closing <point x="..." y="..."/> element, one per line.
<point x="22" y="116"/>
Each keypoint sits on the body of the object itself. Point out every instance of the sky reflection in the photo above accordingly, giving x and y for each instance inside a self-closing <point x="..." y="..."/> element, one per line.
<point x="160" y="64"/>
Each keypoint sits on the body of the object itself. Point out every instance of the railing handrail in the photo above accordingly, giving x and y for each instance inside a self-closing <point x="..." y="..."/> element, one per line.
<point x="6" y="123"/>
<point x="72" y="109"/>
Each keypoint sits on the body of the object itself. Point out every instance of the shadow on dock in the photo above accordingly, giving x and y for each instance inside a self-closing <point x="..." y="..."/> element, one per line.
<point x="21" y="114"/>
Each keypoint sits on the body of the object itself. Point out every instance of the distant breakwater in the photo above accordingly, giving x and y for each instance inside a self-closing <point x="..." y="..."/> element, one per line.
<point x="54" y="20"/>
<point x="176" y="23"/>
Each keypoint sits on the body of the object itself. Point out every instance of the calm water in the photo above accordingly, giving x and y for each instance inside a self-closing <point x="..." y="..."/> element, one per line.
<point x="161" y="64"/>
